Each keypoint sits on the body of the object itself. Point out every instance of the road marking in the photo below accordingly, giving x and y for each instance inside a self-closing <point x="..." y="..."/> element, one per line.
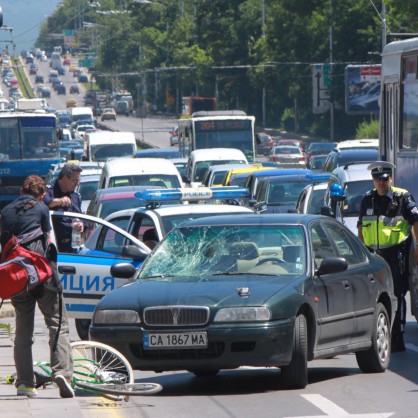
<point x="333" y="410"/>
<point x="412" y="347"/>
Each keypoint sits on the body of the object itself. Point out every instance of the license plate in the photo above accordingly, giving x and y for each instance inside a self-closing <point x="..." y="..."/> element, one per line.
<point x="175" y="340"/>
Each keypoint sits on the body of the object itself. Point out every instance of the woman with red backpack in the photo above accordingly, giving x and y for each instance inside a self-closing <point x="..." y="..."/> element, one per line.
<point x="28" y="219"/>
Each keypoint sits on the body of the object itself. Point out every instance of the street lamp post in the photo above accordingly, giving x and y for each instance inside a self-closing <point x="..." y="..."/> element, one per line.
<point x="263" y="33"/>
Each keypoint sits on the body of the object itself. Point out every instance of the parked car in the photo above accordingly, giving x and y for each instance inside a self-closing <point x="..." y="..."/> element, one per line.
<point x="166" y="153"/>
<point x="122" y="108"/>
<point x="341" y="156"/>
<point x="318" y="148"/>
<point x="46" y="92"/>
<point x="108" y="114"/>
<point x="83" y="78"/>
<point x="74" y="89"/>
<point x="280" y="194"/>
<point x="61" y="89"/>
<point x="251" y="290"/>
<point x="264" y="143"/>
<point x="174" y="136"/>
<point x="287" y="156"/>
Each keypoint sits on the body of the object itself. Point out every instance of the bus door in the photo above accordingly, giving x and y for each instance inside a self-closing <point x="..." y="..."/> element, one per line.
<point x="389" y="134"/>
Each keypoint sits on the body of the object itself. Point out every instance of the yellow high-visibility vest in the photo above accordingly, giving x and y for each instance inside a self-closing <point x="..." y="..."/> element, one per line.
<point x="381" y="232"/>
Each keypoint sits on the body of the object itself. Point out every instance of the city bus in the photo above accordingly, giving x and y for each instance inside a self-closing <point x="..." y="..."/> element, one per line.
<point x="218" y="129"/>
<point x="398" y="138"/>
<point x="20" y="133"/>
<point x="399" y="112"/>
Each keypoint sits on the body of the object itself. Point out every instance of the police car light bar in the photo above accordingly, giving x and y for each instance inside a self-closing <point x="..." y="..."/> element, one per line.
<point x="192" y="194"/>
<point x="319" y="177"/>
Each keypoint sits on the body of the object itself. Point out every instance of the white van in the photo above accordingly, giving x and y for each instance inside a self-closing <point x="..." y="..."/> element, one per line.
<point x="102" y="145"/>
<point x="201" y="159"/>
<point x="157" y="172"/>
<point x="81" y="113"/>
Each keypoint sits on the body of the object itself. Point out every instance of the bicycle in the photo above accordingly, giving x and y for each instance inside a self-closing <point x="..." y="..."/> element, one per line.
<point x="98" y="368"/>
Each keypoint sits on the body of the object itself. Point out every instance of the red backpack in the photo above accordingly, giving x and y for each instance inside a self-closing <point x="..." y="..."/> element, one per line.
<point x="21" y="270"/>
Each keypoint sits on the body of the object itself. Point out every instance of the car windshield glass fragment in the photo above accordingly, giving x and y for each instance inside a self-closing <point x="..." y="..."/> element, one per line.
<point x="217" y="252"/>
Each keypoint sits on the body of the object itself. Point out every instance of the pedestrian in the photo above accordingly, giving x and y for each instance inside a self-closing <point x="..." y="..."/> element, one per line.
<point x="28" y="218"/>
<point x="387" y="216"/>
<point x="62" y="197"/>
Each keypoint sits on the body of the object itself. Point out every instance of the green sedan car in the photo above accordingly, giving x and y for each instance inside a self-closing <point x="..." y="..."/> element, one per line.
<point x="252" y="290"/>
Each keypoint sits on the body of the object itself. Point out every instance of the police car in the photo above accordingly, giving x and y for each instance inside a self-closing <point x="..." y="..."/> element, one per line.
<point x="164" y="218"/>
<point x="85" y="274"/>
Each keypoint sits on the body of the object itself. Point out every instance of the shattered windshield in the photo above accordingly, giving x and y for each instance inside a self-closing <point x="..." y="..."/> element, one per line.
<point x="197" y="252"/>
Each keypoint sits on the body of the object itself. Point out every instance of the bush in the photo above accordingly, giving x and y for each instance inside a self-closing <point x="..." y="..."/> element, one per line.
<point x="287" y="120"/>
<point x="368" y="130"/>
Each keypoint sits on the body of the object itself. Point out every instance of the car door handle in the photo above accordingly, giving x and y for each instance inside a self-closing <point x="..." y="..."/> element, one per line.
<point x="346" y="284"/>
<point x="66" y="269"/>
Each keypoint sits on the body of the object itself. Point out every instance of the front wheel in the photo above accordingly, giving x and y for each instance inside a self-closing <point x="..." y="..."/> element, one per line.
<point x="376" y="359"/>
<point x="99" y="363"/>
<point x="295" y="374"/>
<point x="123" y="389"/>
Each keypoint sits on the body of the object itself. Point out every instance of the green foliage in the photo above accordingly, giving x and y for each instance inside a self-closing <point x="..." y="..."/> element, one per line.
<point x="368" y="130"/>
<point x="287" y="120"/>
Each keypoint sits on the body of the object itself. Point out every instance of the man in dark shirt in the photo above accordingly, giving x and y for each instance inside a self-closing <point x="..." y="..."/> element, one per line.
<point x="61" y="196"/>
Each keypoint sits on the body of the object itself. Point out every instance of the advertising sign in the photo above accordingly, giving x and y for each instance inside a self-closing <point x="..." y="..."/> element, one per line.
<point x="362" y="89"/>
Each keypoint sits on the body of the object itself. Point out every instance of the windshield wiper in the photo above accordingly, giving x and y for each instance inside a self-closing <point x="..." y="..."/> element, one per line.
<point x="162" y="276"/>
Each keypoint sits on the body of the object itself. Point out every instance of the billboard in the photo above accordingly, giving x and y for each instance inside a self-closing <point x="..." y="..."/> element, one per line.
<point x="362" y="89"/>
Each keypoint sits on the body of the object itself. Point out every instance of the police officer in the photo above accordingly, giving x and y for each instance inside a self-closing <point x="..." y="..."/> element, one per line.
<point x="61" y="196"/>
<point x="387" y="215"/>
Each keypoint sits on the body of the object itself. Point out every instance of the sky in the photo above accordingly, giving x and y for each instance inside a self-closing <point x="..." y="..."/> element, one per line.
<point x="25" y="17"/>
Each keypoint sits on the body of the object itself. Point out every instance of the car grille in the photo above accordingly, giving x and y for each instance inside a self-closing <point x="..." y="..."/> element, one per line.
<point x="176" y="315"/>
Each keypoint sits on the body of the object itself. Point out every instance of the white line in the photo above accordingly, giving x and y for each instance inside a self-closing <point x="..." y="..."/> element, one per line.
<point x="325" y="405"/>
<point x="332" y="410"/>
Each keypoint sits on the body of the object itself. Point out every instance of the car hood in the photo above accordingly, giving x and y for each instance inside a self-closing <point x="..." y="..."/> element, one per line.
<point x="218" y="291"/>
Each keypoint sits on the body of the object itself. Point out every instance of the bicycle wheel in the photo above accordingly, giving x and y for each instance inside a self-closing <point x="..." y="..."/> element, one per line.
<point x="99" y="363"/>
<point x="123" y="389"/>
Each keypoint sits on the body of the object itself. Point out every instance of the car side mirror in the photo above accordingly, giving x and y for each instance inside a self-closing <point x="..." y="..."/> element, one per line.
<point x="122" y="270"/>
<point x="132" y="251"/>
<point x="332" y="265"/>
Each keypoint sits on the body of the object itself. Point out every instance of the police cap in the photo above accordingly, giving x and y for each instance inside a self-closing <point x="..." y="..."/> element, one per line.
<point x="381" y="169"/>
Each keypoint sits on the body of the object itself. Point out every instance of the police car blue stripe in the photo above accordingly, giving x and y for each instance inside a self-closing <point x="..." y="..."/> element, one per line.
<point x="79" y="308"/>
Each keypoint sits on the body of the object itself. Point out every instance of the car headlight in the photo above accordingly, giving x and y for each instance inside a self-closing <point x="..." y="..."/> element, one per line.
<point x="246" y="314"/>
<point x="116" y="316"/>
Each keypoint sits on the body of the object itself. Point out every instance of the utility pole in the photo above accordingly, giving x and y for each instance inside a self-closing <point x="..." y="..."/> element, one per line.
<point x="331" y="108"/>
<point x="263" y="34"/>
<point x="383" y="26"/>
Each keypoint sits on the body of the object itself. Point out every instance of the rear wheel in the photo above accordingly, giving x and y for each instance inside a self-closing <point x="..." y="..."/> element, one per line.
<point x="376" y="359"/>
<point x="295" y="374"/>
<point x="100" y="363"/>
